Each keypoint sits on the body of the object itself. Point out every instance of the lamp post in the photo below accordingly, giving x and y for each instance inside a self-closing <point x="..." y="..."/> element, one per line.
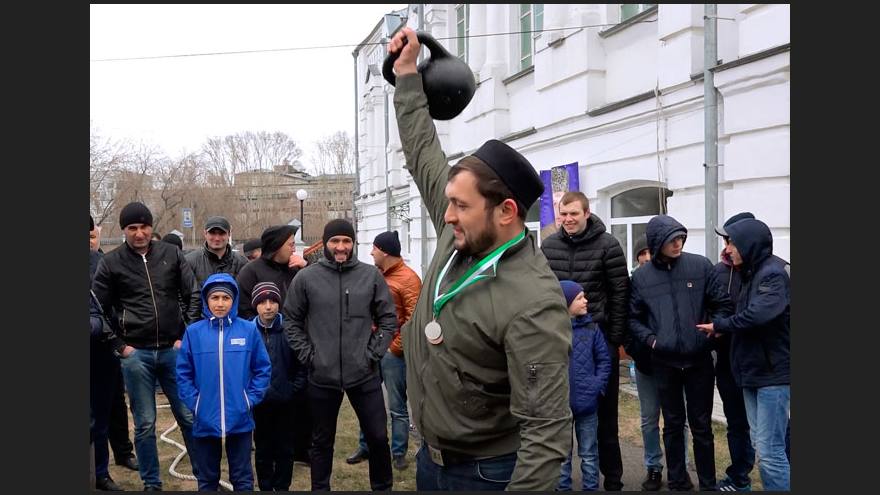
<point x="302" y="195"/>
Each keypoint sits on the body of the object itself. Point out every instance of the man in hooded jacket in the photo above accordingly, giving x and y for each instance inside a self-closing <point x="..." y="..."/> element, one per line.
<point x="670" y="296"/>
<point x="329" y="313"/>
<point x="760" y="344"/>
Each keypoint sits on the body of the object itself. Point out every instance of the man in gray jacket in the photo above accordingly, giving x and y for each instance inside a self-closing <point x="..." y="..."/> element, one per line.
<point x="329" y="312"/>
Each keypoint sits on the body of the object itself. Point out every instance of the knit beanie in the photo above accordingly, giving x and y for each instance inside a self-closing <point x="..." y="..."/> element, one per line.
<point x="275" y="237"/>
<point x="388" y="242"/>
<point x="221" y="287"/>
<point x="571" y="290"/>
<point x="338" y="227"/>
<point x="135" y="212"/>
<point x="263" y="291"/>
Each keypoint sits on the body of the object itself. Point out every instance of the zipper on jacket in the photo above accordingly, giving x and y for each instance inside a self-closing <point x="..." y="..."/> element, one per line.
<point x="153" y="297"/>
<point x="196" y="411"/>
<point x="532" y="387"/>
<point x="347" y="311"/>
<point x="341" y="380"/>
<point x="222" y="400"/>
<point x="246" y="400"/>
<point x="124" y="331"/>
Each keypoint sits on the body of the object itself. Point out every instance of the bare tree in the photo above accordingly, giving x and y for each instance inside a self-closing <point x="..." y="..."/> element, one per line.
<point x="334" y="155"/>
<point x="106" y="159"/>
<point x="245" y="151"/>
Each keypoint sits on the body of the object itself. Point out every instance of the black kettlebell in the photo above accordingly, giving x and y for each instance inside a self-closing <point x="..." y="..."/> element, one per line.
<point x="447" y="80"/>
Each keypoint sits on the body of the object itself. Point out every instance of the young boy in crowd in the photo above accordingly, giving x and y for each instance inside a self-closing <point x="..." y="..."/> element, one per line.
<point x="223" y="371"/>
<point x="275" y="416"/>
<point x="587" y="374"/>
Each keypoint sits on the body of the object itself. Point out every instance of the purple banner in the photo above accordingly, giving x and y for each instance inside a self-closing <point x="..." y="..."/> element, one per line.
<point x="557" y="181"/>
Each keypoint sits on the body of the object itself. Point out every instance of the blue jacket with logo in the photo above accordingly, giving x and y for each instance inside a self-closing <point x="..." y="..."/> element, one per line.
<point x="670" y="297"/>
<point x="590" y="366"/>
<point x="760" y="346"/>
<point x="223" y="369"/>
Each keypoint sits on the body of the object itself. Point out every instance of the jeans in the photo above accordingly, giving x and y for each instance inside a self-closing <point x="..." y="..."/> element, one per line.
<point x="394" y="376"/>
<point x="698" y="382"/>
<point x="739" y="444"/>
<point x="274" y="441"/>
<point x="141" y="371"/>
<point x="588" y="450"/>
<point x="649" y="411"/>
<point x="768" y="412"/>
<point x="207" y="453"/>
<point x="610" y="462"/>
<point x="486" y="474"/>
<point x="369" y="406"/>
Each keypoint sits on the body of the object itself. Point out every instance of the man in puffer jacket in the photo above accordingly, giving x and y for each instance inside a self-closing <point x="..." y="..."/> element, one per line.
<point x="588" y="376"/>
<point x="275" y="417"/>
<point x="670" y="296"/>
<point x="759" y="348"/>
<point x="223" y="371"/>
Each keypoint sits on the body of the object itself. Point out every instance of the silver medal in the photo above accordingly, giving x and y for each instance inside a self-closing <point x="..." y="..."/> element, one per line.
<point x="433" y="332"/>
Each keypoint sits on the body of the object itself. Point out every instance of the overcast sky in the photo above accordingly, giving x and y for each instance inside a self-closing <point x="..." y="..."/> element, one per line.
<point x="177" y="103"/>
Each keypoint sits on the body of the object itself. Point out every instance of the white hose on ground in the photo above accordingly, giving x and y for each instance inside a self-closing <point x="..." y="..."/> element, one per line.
<point x="172" y="470"/>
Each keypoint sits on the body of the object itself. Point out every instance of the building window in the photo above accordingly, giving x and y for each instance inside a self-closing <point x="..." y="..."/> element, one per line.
<point x="630" y="213"/>
<point x="462" y="26"/>
<point x="628" y="10"/>
<point x="531" y="22"/>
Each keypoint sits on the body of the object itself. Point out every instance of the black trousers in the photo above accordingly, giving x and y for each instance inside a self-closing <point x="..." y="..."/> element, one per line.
<point x="274" y="441"/>
<point x="610" y="462"/>
<point x="369" y="405"/>
<point x="118" y="435"/>
<point x="742" y="454"/>
<point x="698" y="382"/>
<point x="302" y="427"/>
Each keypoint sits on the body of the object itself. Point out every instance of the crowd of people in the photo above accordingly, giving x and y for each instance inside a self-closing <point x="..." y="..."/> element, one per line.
<point x="507" y="354"/>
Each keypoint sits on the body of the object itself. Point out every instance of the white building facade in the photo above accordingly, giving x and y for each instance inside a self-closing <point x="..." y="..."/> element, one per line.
<point x="619" y="91"/>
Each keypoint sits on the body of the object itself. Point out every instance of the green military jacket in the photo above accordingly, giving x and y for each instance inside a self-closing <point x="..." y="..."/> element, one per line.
<point x="498" y="382"/>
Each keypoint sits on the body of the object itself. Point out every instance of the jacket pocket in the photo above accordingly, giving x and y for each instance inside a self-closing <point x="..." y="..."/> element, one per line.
<point x="547" y="389"/>
<point x="246" y="400"/>
<point x="196" y="410"/>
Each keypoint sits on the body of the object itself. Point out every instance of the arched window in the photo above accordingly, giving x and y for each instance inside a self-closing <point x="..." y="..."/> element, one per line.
<point x="630" y="212"/>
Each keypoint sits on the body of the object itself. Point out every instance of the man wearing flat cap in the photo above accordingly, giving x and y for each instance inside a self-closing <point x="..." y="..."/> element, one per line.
<point x="488" y="344"/>
<point x="216" y="256"/>
<point x="151" y="289"/>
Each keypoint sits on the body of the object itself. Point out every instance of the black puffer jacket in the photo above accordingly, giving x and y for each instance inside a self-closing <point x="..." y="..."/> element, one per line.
<point x="262" y="269"/>
<point x="670" y="297"/>
<point x="594" y="259"/>
<point x="204" y="263"/>
<point x="760" y="347"/>
<point x="154" y="296"/>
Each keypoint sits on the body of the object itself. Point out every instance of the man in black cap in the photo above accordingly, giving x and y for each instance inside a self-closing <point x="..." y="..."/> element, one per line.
<point x="152" y="290"/>
<point x="172" y="238"/>
<point x="405" y="286"/>
<point x="216" y="256"/>
<point x="671" y="295"/>
<point x="329" y="313"/>
<point x="488" y="346"/>
<point x="278" y="263"/>
<point x="252" y="249"/>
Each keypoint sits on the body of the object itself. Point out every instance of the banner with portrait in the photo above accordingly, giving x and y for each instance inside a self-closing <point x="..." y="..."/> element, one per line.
<point x="557" y="181"/>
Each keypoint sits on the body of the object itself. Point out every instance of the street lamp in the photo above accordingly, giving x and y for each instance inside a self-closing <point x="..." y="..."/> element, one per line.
<point x="302" y="195"/>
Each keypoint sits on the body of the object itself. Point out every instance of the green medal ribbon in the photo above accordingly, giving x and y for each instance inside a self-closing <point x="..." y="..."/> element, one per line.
<point x="473" y="275"/>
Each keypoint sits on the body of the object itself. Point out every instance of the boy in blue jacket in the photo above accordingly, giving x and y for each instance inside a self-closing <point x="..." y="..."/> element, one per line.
<point x="587" y="375"/>
<point x="275" y="417"/>
<point x="223" y="371"/>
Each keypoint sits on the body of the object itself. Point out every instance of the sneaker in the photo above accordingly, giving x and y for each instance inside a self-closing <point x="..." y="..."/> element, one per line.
<point x="400" y="463"/>
<point x="727" y="485"/>
<point x="152" y="488"/>
<point x="107" y="485"/>
<point x="357" y="457"/>
<point x="653" y="481"/>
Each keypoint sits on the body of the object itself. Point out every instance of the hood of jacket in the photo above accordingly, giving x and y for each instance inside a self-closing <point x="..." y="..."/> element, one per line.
<point x="214" y="280"/>
<point x="752" y="239"/>
<point x="660" y="230"/>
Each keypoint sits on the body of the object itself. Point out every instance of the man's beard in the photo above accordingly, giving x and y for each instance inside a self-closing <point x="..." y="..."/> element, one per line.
<point x="482" y="242"/>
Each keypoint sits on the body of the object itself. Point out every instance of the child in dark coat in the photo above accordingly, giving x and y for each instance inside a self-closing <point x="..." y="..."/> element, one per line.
<point x="588" y="374"/>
